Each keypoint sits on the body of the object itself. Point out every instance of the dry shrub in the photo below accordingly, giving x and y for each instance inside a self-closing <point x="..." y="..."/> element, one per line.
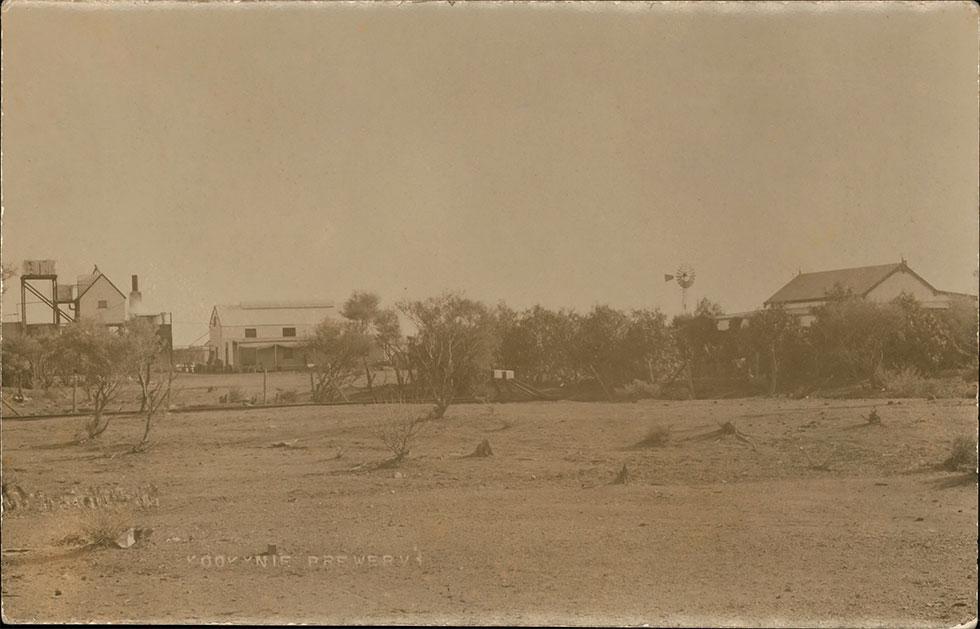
<point x="398" y="432"/>
<point x="288" y="397"/>
<point x="235" y="395"/>
<point x="101" y="527"/>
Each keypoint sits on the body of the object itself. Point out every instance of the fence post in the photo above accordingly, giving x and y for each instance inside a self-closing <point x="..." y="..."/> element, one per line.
<point x="74" y="393"/>
<point x="264" y="377"/>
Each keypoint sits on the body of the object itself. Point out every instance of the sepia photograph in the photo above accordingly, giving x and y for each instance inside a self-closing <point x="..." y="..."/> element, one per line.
<point x="487" y="313"/>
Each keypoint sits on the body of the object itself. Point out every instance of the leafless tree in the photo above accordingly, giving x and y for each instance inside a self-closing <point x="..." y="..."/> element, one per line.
<point x="101" y="358"/>
<point x="453" y="346"/>
<point x="398" y="434"/>
<point x="144" y="347"/>
<point x="157" y="399"/>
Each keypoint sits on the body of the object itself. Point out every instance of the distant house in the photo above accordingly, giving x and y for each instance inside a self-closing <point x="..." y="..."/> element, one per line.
<point x="97" y="298"/>
<point x="881" y="283"/>
<point x="264" y="335"/>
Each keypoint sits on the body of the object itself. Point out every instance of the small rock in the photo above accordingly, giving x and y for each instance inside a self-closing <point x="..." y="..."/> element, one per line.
<point x="57" y="592"/>
<point x="399" y="475"/>
<point x="126" y="539"/>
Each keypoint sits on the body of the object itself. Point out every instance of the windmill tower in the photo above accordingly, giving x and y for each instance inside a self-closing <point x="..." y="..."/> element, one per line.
<point x="684" y="276"/>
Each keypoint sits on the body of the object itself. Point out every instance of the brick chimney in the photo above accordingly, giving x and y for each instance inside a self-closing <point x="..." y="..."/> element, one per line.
<point x="135" y="297"/>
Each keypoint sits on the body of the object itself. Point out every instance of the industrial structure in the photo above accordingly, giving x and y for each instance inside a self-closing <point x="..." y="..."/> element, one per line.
<point x="46" y="303"/>
<point x="264" y="335"/>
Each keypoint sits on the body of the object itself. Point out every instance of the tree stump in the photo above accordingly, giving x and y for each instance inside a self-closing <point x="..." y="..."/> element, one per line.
<point x="623" y="477"/>
<point x="483" y="449"/>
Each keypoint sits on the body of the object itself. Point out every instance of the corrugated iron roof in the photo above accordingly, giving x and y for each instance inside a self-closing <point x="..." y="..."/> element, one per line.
<point x="275" y="313"/>
<point x="815" y="286"/>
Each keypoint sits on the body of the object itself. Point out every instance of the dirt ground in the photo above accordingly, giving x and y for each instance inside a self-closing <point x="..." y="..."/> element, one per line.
<point x="817" y="519"/>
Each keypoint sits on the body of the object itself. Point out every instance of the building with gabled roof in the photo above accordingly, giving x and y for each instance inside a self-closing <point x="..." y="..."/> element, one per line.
<point x="97" y="298"/>
<point x="264" y="335"/>
<point x="46" y="304"/>
<point x="879" y="283"/>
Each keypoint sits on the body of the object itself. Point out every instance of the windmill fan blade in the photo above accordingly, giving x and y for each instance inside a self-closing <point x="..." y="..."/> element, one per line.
<point x="667" y="278"/>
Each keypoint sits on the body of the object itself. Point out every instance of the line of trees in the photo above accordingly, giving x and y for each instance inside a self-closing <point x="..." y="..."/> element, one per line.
<point x="455" y="341"/>
<point x="98" y="361"/>
<point x="850" y="341"/>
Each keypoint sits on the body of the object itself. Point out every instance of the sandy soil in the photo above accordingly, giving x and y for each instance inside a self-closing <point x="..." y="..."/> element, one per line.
<point x="821" y="520"/>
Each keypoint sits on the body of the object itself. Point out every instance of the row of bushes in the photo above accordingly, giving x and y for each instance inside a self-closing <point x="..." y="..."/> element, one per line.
<point x="637" y="353"/>
<point x="898" y="345"/>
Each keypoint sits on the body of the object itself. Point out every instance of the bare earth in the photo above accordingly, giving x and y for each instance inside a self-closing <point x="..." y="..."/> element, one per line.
<point x="825" y="521"/>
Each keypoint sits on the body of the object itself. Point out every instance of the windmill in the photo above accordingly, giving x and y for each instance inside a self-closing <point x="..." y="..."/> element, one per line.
<point x="684" y="276"/>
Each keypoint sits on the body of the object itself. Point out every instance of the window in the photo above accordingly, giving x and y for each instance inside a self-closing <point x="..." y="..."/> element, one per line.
<point x="289" y="331"/>
<point x="250" y="333"/>
<point x="103" y="304"/>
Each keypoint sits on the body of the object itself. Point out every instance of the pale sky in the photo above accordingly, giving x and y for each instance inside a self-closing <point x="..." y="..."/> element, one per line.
<point x="554" y="154"/>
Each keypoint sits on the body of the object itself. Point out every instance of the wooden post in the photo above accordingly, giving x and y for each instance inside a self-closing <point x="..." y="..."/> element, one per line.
<point x="74" y="393"/>
<point x="312" y="388"/>
<point x="23" y="305"/>
<point x="54" y="300"/>
<point x="264" y="378"/>
<point x="690" y="377"/>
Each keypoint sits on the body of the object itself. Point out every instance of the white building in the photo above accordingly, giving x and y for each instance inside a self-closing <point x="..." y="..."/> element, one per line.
<point x="97" y="298"/>
<point x="264" y="335"/>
